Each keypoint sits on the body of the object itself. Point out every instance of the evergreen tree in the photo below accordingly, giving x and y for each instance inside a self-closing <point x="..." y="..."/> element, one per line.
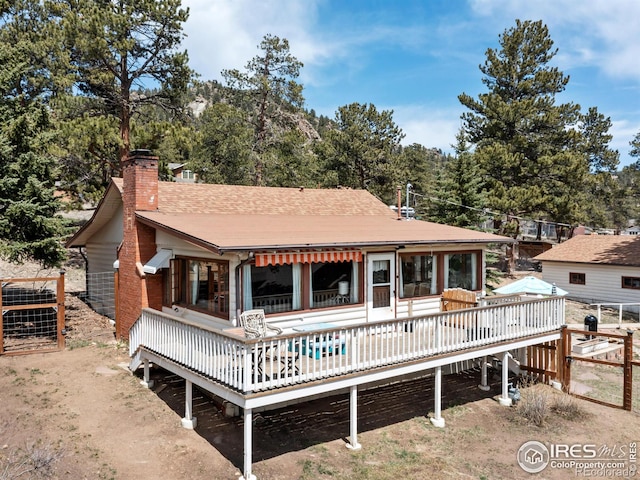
<point x="526" y="144"/>
<point x="604" y="191"/>
<point x="269" y="91"/>
<point x="420" y="167"/>
<point x="29" y="228"/>
<point x="118" y="47"/>
<point x="223" y="146"/>
<point x="459" y="191"/>
<point x="362" y="151"/>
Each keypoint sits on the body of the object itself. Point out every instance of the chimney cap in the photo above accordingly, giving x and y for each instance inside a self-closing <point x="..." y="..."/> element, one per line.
<point x="140" y="152"/>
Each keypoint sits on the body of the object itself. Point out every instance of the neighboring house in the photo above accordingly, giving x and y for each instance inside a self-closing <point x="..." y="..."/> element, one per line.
<point x="596" y="268"/>
<point x="354" y="289"/>
<point x="182" y="174"/>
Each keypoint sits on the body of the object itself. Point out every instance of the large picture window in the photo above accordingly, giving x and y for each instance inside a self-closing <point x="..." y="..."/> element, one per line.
<point x="201" y="285"/>
<point x="275" y="288"/>
<point x="418" y="276"/>
<point x="461" y="271"/>
<point x="422" y="274"/>
<point x="333" y="284"/>
<point x="300" y="286"/>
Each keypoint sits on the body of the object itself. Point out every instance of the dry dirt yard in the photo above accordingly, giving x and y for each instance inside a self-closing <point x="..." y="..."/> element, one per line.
<point x="80" y="414"/>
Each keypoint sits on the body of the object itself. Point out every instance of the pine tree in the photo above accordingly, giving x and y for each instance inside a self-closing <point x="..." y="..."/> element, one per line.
<point x="29" y="227"/>
<point x="460" y="197"/>
<point x="269" y="91"/>
<point x="117" y="49"/>
<point x="362" y="151"/>
<point x="526" y="144"/>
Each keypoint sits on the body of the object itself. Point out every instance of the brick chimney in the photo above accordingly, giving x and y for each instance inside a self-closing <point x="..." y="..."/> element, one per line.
<point x="136" y="290"/>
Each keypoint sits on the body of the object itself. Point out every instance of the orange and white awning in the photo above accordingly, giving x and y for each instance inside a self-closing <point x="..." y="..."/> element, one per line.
<point x="325" y="256"/>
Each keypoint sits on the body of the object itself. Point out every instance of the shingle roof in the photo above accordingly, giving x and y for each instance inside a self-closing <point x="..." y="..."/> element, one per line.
<point x="232" y="217"/>
<point x="175" y="197"/>
<point x="603" y="249"/>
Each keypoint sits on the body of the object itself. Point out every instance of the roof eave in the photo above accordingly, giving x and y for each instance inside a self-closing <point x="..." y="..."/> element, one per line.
<point x="176" y="233"/>
<point x="72" y="242"/>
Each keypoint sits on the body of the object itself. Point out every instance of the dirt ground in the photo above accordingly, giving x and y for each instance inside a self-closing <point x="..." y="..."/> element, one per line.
<point x="80" y="414"/>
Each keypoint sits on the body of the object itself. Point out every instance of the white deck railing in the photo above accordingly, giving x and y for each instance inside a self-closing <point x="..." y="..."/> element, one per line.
<point x="297" y="358"/>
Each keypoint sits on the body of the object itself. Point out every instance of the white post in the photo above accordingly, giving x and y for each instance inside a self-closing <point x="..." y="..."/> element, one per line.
<point x="620" y="316"/>
<point x="189" y="421"/>
<point x="504" y="398"/>
<point x="146" y="382"/>
<point x="248" y="419"/>
<point x="437" y="419"/>
<point x="599" y="313"/>
<point x="353" y="419"/>
<point x="484" y="385"/>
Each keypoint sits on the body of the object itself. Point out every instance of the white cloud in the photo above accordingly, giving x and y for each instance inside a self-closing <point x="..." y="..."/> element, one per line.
<point x="431" y="128"/>
<point x="599" y="33"/>
<point x="225" y="34"/>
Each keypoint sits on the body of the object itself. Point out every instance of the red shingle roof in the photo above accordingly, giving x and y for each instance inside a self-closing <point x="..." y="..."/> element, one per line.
<point x="604" y="249"/>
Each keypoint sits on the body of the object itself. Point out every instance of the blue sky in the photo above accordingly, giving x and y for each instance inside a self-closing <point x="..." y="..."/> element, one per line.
<point x="415" y="57"/>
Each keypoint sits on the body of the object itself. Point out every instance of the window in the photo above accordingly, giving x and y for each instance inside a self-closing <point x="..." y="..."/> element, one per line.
<point x="300" y="286"/>
<point x="333" y="284"/>
<point x="187" y="175"/>
<point x="422" y="275"/>
<point x="201" y="285"/>
<point x="461" y="271"/>
<point x="273" y="288"/>
<point x="577" y="278"/>
<point x="631" y="282"/>
<point x="418" y="276"/>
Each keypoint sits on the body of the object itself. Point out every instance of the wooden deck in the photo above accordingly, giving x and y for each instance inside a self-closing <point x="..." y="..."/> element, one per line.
<point x="262" y="372"/>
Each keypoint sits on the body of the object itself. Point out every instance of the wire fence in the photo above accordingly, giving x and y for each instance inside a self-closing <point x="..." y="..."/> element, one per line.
<point x="100" y="294"/>
<point x="32" y="315"/>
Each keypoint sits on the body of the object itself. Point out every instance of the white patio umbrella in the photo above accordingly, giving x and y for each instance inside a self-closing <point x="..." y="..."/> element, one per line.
<point x="530" y="285"/>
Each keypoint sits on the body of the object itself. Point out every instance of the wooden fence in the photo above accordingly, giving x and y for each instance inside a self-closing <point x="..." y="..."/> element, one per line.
<point x="612" y="352"/>
<point x="33" y="315"/>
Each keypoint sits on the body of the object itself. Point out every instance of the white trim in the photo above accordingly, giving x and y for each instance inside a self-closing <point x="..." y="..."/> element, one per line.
<point x="158" y="261"/>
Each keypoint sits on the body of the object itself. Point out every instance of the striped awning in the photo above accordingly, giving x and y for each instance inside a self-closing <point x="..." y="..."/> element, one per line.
<point x="283" y="258"/>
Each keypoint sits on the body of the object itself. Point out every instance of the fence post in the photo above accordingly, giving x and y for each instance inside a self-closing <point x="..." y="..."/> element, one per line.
<point x="627" y="396"/>
<point x="565" y="359"/>
<point x="61" y="312"/>
<point x="1" y="321"/>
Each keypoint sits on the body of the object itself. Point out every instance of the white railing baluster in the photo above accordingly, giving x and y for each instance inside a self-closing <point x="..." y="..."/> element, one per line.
<point x="234" y="361"/>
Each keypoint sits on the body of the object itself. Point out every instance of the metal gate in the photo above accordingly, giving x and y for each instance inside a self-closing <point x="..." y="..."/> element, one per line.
<point x="32" y="315"/>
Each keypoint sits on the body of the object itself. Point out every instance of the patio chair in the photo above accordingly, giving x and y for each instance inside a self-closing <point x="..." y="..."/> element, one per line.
<point x="255" y="325"/>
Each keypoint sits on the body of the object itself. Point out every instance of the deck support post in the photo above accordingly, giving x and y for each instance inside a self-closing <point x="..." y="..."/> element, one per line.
<point x="504" y="397"/>
<point x="484" y="385"/>
<point x="437" y="419"/>
<point x="248" y="421"/>
<point x="146" y="382"/>
<point x="189" y="421"/>
<point x="353" y="419"/>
